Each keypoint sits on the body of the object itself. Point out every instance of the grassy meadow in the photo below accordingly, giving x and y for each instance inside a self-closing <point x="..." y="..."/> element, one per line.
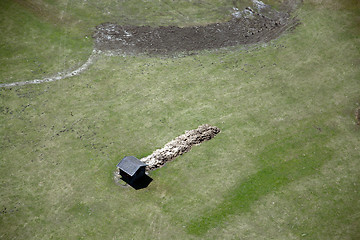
<point x="285" y="165"/>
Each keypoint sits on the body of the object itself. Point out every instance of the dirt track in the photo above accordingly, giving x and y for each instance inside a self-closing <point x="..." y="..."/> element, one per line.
<point x="258" y="23"/>
<point x="254" y="24"/>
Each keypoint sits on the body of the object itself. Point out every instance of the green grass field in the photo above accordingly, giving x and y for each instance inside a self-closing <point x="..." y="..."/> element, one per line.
<point x="285" y="166"/>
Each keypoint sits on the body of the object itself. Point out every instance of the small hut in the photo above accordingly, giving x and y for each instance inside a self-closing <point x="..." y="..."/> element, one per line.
<point x="131" y="169"/>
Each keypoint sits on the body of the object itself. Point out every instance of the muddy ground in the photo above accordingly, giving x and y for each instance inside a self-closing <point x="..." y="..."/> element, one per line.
<point x="254" y="24"/>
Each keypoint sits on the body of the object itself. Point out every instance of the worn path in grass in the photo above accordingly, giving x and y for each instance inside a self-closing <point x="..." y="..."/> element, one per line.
<point x="258" y="23"/>
<point x="281" y="107"/>
<point x="59" y="76"/>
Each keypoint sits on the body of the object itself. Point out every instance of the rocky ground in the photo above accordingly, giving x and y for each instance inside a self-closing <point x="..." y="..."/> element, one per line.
<point x="180" y="145"/>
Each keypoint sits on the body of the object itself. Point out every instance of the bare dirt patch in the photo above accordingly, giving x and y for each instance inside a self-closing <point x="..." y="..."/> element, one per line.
<point x="179" y="146"/>
<point x="254" y="24"/>
<point x="258" y="23"/>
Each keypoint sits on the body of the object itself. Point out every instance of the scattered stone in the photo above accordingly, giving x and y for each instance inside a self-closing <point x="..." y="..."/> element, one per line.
<point x="179" y="146"/>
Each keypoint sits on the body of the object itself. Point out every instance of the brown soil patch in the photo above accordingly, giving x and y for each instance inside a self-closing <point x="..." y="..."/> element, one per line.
<point x="357" y="116"/>
<point x="180" y="145"/>
<point x="259" y="23"/>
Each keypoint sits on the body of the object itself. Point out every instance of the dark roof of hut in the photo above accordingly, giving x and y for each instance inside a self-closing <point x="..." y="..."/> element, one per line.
<point x="130" y="165"/>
